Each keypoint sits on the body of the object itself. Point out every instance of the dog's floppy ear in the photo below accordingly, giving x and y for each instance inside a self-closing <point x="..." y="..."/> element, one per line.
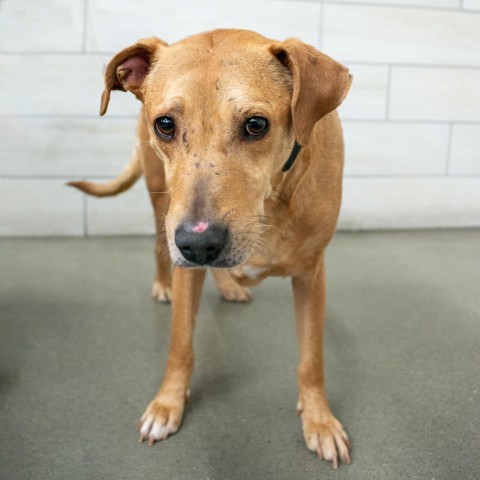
<point x="319" y="84"/>
<point x="127" y="69"/>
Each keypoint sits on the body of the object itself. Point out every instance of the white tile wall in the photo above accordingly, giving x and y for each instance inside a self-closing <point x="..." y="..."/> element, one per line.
<point x="377" y="203"/>
<point x="401" y="35"/>
<point x="39" y="207"/>
<point x="471" y="4"/>
<point x="367" y="98"/>
<point x="378" y="148"/>
<point x="56" y="146"/>
<point x="412" y="118"/>
<point x="465" y="150"/>
<point x="446" y="94"/>
<point x="50" y="84"/>
<point x="413" y="3"/>
<point x="39" y="25"/>
<point x="128" y="214"/>
<point x="115" y="24"/>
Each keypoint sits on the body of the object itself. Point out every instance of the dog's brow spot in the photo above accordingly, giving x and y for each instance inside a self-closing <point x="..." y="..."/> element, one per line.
<point x="197" y="165"/>
<point x="232" y="99"/>
<point x="211" y="165"/>
<point x="184" y="139"/>
<point x="217" y="84"/>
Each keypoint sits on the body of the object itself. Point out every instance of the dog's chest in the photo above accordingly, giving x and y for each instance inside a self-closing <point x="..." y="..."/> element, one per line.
<point x="254" y="271"/>
<point x="257" y="268"/>
<point x="251" y="274"/>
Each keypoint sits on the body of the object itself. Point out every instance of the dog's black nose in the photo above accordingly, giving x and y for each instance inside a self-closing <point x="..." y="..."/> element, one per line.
<point x="201" y="242"/>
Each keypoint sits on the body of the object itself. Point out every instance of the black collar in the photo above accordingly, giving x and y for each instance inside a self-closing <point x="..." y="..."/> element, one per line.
<point x="295" y="151"/>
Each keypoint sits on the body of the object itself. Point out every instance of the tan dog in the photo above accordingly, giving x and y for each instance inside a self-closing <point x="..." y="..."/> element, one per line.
<point x="222" y="112"/>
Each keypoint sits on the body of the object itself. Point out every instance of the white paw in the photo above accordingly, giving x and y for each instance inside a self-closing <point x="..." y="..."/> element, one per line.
<point x="161" y="293"/>
<point x="235" y="293"/>
<point x="160" y="421"/>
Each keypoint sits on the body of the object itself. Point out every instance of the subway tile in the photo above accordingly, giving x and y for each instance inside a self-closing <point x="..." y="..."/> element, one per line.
<point x="115" y="24"/>
<point x="123" y="103"/>
<point x="471" y="4"/>
<point x="367" y="97"/>
<point x="50" y="84"/>
<point x="395" y="203"/>
<point x="39" y="25"/>
<point x="435" y="94"/>
<point x="65" y="147"/>
<point x="406" y="3"/>
<point x="465" y="150"/>
<point x="39" y="208"/>
<point x="375" y="148"/>
<point x="401" y="35"/>
<point x="127" y="214"/>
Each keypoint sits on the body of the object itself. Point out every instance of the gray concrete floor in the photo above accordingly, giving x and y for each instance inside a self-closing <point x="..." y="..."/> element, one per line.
<point x="82" y="350"/>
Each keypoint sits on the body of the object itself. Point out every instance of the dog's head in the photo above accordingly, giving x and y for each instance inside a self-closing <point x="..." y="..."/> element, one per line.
<point x="224" y="109"/>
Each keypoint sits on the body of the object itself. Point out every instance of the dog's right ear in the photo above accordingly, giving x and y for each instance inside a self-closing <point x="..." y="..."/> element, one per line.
<point x="127" y="69"/>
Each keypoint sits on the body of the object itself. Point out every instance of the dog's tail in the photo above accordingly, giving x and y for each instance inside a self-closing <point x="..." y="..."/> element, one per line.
<point x="127" y="177"/>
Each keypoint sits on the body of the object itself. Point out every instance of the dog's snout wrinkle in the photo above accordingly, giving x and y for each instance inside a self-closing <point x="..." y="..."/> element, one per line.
<point x="201" y="242"/>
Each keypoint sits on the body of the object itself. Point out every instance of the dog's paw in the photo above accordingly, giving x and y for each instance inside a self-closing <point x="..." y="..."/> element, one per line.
<point x="327" y="439"/>
<point x="229" y="288"/>
<point x="162" y="293"/>
<point x="235" y="293"/>
<point x="159" y="421"/>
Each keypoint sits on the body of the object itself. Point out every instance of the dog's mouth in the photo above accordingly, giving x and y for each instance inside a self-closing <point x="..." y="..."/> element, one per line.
<point x="223" y="263"/>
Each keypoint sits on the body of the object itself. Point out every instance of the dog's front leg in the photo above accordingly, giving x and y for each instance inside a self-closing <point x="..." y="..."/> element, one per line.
<point x="324" y="434"/>
<point x="164" y="414"/>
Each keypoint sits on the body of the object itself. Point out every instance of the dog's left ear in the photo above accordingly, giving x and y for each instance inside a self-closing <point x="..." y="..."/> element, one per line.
<point x="319" y="84"/>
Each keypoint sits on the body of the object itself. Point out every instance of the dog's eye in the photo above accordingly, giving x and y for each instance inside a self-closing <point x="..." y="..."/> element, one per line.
<point x="165" y="127"/>
<point x="256" y="126"/>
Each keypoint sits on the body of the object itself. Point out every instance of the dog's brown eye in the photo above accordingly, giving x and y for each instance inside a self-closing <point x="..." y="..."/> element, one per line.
<point x="165" y="127"/>
<point x="256" y="126"/>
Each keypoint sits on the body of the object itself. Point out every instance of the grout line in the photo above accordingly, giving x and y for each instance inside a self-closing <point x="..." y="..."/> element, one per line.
<point x="409" y="65"/>
<point x="61" y="178"/>
<point x="85" y="26"/>
<point x="70" y="116"/>
<point x="389" y="92"/>
<point x="393" y="5"/>
<point x="399" y="4"/>
<point x="52" y="52"/>
<point x="322" y="23"/>
<point x="449" y="148"/>
<point x="409" y="121"/>
<point x="406" y="176"/>
<point x="85" y="216"/>
<point x="366" y="63"/>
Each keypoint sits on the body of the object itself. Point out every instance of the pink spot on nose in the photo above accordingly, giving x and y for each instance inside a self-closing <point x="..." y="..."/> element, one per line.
<point x="200" y="227"/>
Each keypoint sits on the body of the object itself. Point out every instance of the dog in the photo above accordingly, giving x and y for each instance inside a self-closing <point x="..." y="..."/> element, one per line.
<point x="242" y="152"/>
